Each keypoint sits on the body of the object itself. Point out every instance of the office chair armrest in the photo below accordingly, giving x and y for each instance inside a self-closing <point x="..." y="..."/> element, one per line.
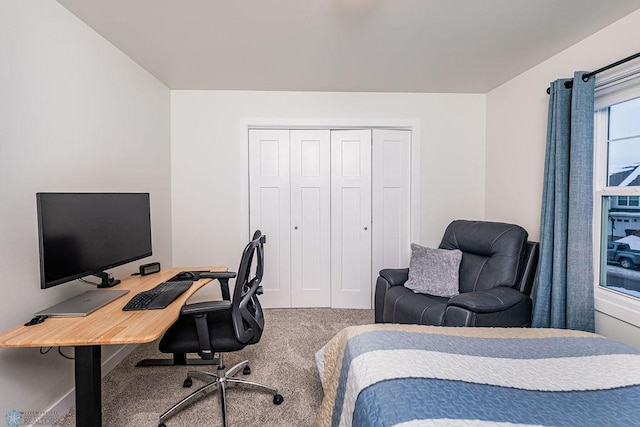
<point x="199" y="311"/>
<point x="218" y="275"/>
<point x="205" y="307"/>
<point x="223" y="278"/>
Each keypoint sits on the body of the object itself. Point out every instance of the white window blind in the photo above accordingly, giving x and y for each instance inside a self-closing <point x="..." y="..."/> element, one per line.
<point x="617" y="85"/>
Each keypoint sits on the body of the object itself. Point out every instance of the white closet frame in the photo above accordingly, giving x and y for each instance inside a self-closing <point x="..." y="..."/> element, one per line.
<point x="412" y="125"/>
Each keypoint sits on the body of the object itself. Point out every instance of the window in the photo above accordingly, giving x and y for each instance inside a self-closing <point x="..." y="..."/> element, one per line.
<point x="617" y="199"/>
<point x="628" y="200"/>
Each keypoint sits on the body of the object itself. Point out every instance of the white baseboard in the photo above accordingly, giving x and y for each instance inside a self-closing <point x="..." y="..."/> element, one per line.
<point x="66" y="402"/>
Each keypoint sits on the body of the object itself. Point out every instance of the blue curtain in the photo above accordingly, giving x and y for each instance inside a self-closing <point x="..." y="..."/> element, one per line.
<point x="564" y="286"/>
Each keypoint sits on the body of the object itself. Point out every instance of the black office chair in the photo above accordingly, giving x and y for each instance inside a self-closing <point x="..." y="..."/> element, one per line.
<point x="219" y="327"/>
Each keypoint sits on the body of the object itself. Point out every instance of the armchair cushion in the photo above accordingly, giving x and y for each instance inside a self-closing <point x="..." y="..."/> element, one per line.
<point x="493" y="253"/>
<point x="489" y="301"/>
<point x="434" y="271"/>
<point x="401" y="305"/>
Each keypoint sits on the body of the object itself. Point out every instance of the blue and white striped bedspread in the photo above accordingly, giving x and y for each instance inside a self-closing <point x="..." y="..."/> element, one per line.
<point x="410" y="375"/>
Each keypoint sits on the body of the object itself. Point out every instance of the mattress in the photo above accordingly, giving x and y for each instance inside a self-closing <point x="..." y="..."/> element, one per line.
<point x="414" y="375"/>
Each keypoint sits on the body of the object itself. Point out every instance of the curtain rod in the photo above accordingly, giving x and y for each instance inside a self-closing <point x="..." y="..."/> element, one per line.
<point x="586" y="76"/>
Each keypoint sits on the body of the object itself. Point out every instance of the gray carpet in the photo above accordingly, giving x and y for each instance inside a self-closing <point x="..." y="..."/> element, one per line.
<point x="284" y="358"/>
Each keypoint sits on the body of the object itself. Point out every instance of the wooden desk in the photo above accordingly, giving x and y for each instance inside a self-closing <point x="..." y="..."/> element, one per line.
<point x="106" y="326"/>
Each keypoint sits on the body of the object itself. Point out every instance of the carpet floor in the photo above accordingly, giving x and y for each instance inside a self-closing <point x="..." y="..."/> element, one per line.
<point x="284" y="359"/>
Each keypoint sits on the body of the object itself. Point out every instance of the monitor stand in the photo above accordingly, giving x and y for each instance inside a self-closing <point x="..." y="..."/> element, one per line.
<point x="107" y="280"/>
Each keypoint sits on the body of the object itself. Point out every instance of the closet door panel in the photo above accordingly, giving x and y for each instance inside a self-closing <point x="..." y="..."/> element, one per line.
<point x="335" y="207"/>
<point x="310" y="218"/>
<point x="391" y="189"/>
<point x="351" y="219"/>
<point x="269" y="210"/>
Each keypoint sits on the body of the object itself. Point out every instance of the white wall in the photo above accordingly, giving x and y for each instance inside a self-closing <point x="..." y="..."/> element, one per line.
<point x="516" y="134"/>
<point x="207" y="139"/>
<point x="75" y="115"/>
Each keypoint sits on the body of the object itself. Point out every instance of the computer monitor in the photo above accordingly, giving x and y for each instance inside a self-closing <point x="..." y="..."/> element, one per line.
<point x="82" y="234"/>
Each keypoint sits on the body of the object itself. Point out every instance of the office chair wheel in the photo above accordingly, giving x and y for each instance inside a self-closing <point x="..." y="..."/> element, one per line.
<point x="278" y="399"/>
<point x="162" y="425"/>
<point x="246" y="370"/>
<point x="186" y="384"/>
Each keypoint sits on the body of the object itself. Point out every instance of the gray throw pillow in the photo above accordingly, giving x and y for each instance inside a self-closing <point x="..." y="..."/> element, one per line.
<point x="434" y="271"/>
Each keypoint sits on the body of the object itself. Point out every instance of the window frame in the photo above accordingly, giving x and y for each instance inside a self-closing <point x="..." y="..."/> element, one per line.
<point x="611" y="88"/>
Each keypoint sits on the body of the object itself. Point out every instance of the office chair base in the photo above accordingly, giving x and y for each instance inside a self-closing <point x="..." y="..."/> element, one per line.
<point x="218" y="383"/>
<point x="179" y="359"/>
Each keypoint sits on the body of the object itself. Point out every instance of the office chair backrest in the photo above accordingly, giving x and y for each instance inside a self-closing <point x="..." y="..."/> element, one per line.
<point x="248" y="319"/>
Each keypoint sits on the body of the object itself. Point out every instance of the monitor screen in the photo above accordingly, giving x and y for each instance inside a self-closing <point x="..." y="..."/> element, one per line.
<point x="86" y="233"/>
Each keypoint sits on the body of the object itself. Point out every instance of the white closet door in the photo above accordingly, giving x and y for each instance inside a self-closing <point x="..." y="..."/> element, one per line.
<point x="310" y="218"/>
<point x="351" y="219"/>
<point x="391" y="189"/>
<point x="269" y="210"/>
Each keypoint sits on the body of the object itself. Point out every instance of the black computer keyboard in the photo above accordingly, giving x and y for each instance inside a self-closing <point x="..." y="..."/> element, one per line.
<point x="159" y="297"/>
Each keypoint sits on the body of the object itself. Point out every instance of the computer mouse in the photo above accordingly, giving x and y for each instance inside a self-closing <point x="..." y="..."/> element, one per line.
<point x="36" y="320"/>
<point x="186" y="275"/>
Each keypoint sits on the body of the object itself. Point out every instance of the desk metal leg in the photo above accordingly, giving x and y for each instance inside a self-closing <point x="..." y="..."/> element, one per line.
<point x="88" y="386"/>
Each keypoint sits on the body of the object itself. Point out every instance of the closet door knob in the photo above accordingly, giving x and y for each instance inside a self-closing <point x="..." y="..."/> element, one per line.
<point x="365" y="228"/>
<point x="295" y="228"/>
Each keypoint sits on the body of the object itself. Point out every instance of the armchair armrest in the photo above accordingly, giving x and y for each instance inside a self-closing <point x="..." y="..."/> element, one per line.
<point x="488" y="301"/>
<point x="222" y="277"/>
<point x="395" y="276"/>
<point x="388" y="277"/>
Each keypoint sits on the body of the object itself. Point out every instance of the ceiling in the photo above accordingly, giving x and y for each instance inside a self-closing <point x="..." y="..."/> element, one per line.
<point x="464" y="46"/>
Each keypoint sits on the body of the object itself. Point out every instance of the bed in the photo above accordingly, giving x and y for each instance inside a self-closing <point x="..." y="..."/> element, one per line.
<point x="414" y="375"/>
